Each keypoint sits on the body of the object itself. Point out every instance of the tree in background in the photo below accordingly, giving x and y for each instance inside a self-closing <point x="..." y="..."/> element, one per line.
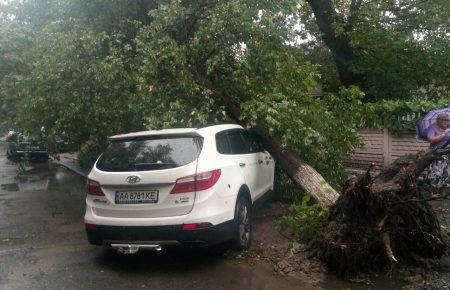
<point x="15" y="41"/>
<point x="82" y="74"/>
<point x="391" y="49"/>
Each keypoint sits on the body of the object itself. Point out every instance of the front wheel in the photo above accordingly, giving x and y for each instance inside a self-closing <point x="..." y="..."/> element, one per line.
<point x="242" y="224"/>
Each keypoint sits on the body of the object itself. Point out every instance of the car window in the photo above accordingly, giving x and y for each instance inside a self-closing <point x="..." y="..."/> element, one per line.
<point x="155" y="153"/>
<point x="222" y="144"/>
<point x="237" y="143"/>
<point x="253" y="144"/>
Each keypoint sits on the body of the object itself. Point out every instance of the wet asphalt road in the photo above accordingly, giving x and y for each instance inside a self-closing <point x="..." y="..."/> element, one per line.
<point x="43" y="245"/>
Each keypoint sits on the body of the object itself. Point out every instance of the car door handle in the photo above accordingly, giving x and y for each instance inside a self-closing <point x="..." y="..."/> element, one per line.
<point x="260" y="161"/>
<point x="241" y="164"/>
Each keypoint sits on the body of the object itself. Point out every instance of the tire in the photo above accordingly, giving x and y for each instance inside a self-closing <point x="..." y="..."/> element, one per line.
<point x="242" y="224"/>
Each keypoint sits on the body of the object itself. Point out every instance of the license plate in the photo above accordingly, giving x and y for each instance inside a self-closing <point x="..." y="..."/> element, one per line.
<point x="134" y="197"/>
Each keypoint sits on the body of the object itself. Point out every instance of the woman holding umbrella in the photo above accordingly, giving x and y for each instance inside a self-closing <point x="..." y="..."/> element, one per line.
<point x="438" y="134"/>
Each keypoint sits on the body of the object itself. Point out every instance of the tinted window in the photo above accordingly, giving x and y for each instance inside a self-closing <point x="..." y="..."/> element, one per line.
<point x="237" y="143"/>
<point x="222" y="144"/>
<point x="150" y="154"/>
<point x="254" y="145"/>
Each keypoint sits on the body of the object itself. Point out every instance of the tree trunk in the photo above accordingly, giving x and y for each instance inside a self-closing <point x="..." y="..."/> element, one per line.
<point x="339" y="44"/>
<point x="300" y="172"/>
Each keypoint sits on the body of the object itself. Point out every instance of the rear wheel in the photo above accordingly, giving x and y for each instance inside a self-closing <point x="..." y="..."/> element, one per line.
<point x="242" y="224"/>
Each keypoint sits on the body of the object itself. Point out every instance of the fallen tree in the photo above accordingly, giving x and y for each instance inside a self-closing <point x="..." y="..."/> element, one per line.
<point x="377" y="222"/>
<point x="304" y="175"/>
<point x="198" y="56"/>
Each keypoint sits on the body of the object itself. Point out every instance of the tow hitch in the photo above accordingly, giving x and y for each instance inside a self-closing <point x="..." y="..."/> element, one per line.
<point x="134" y="248"/>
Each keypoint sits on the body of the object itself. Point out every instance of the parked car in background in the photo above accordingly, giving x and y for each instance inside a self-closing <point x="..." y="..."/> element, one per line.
<point x="63" y="146"/>
<point x="21" y="146"/>
<point x="191" y="187"/>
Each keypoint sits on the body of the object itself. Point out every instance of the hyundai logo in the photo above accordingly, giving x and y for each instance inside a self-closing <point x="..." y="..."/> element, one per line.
<point x="133" y="179"/>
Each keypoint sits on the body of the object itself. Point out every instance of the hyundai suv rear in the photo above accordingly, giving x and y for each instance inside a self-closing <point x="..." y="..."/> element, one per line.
<point x="191" y="187"/>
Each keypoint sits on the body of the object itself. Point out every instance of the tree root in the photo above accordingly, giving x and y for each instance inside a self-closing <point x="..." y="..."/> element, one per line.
<point x="387" y="244"/>
<point x="382" y="221"/>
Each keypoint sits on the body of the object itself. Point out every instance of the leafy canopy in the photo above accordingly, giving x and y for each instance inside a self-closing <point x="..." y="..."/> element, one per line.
<point x="85" y="70"/>
<point x="243" y="48"/>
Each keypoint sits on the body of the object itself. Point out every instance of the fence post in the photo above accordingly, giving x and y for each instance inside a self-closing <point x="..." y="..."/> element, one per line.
<point x="386" y="147"/>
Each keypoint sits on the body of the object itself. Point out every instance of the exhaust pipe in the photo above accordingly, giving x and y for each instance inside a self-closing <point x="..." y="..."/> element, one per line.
<point x="134" y="248"/>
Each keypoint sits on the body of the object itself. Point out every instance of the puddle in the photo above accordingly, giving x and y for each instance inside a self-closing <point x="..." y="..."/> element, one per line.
<point x="28" y="183"/>
<point x="10" y="187"/>
<point x="33" y="182"/>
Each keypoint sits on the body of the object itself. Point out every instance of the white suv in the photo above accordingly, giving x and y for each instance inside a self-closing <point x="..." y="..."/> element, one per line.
<point x="189" y="187"/>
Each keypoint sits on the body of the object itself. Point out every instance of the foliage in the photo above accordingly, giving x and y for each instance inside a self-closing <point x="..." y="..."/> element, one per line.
<point x="89" y="153"/>
<point x="89" y="69"/>
<point x="399" y="49"/>
<point x="285" y="189"/>
<point x="249" y="60"/>
<point x="296" y="248"/>
<point x="323" y="129"/>
<point x="403" y="49"/>
<point x="85" y="89"/>
<point x="81" y="82"/>
<point x="398" y="115"/>
<point x="305" y="220"/>
<point x="15" y="40"/>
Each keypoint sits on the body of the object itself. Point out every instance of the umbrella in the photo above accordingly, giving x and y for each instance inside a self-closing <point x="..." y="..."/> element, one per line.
<point x="428" y="120"/>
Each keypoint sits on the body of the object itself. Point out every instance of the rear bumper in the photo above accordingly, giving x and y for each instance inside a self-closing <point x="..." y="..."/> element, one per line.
<point x="172" y="235"/>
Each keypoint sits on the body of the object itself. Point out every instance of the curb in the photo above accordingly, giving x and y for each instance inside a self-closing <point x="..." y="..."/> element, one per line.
<point x="69" y="167"/>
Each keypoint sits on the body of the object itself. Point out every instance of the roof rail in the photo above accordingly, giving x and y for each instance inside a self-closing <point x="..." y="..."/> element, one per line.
<point x="214" y="124"/>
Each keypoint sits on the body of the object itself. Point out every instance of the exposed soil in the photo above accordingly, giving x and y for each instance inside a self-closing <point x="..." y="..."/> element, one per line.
<point x="272" y="245"/>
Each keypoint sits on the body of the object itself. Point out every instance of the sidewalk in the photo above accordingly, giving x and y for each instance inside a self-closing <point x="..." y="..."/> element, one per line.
<point x="69" y="161"/>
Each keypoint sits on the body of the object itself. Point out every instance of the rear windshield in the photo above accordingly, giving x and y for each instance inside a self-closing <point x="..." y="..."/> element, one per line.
<point x="154" y="153"/>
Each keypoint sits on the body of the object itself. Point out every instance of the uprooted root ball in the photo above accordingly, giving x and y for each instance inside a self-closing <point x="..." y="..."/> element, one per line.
<point x="379" y="222"/>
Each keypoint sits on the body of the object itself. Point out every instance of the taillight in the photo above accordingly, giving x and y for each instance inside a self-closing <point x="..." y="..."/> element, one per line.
<point x="91" y="227"/>
<point x="191" y="227"/>
<point x="196" y="182"/>
<point x="93" y="188"/>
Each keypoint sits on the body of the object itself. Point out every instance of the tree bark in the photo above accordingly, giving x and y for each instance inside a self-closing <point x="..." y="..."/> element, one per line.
<point x="298" y="170"/>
